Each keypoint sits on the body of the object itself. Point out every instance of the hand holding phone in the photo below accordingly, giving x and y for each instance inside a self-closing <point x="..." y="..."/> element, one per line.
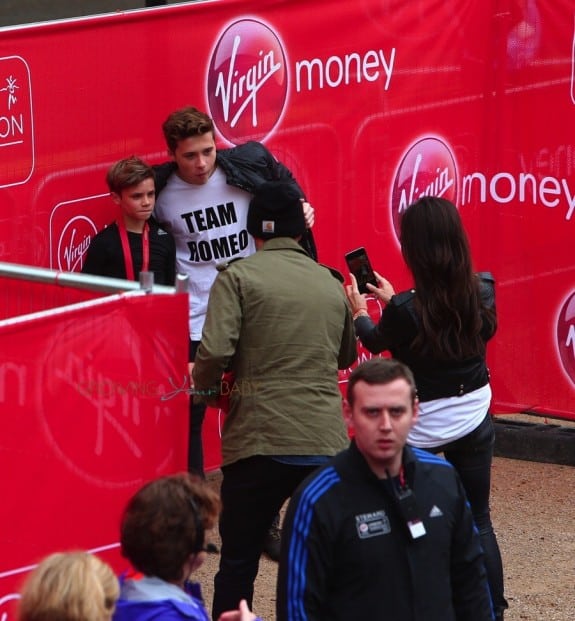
<point x="359" y="265"/>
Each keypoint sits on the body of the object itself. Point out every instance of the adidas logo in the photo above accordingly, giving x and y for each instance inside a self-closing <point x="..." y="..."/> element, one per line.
<point x="162" y="232"/>
<point x="435" y="512"/>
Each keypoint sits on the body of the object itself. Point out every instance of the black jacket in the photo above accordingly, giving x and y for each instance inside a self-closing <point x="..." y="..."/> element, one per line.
<point x="435" y="379"/>
<point x="105" y="256"/>
<point x="347" y="553"/>
<point x="246" y="166"/>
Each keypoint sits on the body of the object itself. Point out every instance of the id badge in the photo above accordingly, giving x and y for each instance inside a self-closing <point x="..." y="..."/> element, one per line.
<point x="417" y="529"/>
<point x="410" y="513"/>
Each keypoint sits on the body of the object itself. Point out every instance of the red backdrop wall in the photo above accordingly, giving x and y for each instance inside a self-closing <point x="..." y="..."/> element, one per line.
<point x="371" y="104"/>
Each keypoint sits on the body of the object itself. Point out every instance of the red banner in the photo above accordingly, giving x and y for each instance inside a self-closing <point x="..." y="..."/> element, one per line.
<point x="370" y="103"/>
<point x="93" y="404"/>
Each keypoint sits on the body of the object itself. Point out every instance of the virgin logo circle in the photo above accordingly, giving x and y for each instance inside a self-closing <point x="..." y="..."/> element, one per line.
<point x="73" y="243"/>
<point x="427" y="169"/>
<point x="8" y="605"/>
<point x="116" y="406"/>
<point x="566" y="336"/>
<point x="247" y="81"/>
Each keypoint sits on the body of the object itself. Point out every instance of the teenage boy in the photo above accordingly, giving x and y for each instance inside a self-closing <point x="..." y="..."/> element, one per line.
<point x="134" y="243"/>
<point x="203" y="199"/>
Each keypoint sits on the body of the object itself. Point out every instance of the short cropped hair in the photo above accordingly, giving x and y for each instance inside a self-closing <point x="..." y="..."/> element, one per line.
<point x="165" y="522"/>
<point x="127" y="173"/>
<point x="69" y="586"/>
<point x="380" y="371"/>
<point x="185" y="123"/>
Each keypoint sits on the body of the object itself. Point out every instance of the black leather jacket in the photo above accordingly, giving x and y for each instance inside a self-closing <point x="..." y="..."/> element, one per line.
<point x="246" y="166"/>
<point x="435" y="379"/>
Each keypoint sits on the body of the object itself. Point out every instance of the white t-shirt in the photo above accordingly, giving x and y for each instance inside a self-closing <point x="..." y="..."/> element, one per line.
<point x="208" y="223"/>
<point x="446" y="420"/>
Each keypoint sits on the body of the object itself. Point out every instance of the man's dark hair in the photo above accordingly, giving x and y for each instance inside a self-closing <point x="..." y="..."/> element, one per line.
<point x="185" y="123"/>
<point x="380" y="371"/>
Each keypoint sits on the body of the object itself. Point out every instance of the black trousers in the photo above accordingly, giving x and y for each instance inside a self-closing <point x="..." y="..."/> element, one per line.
<point x="253" y="491"/>
<point x="471" y="456"/>
<point x="197" y="414"/>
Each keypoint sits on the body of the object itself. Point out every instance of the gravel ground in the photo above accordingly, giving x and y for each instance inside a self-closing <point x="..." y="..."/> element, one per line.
<point x="533" y="507"/>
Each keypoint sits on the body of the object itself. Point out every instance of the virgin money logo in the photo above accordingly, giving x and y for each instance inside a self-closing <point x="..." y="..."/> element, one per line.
<point x="247" y="81"/>
<point x="112" y="396"/>
<point x="566" y="336"/>
<point x="427" y="169"/>
<point x="16" y="122"/>
<point x="73" y="243"/>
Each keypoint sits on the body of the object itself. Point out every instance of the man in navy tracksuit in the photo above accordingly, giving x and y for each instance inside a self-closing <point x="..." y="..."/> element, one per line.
<point x="383" y="531"/>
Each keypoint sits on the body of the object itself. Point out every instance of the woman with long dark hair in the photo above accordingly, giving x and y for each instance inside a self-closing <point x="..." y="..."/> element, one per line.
<point x="440" y="329"/>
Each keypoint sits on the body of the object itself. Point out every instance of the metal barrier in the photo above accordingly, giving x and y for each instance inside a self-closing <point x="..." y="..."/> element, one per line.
<point x="88" y="281"/>
<point x="94" y="401"/>
<point x="30" y="290"/>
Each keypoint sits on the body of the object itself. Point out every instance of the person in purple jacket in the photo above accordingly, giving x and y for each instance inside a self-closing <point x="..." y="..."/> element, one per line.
<point x="162" y="534"/>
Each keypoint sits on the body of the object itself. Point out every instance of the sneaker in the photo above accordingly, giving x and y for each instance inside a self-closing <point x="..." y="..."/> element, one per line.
<point x="272" y="543"/>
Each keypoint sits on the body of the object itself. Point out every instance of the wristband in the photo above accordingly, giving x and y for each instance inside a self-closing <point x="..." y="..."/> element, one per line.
<point x="362" y="312"/>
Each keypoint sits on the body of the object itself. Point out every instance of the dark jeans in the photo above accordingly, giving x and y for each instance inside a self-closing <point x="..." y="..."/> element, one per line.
<point x="197" y="413"/>
<point x="253" y="491"/>
<point x="471" y="456"/>
<point x="195" y="446"/>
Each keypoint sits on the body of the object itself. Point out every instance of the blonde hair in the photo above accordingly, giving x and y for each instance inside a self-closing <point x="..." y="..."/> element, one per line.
<point x="69" y="586"/>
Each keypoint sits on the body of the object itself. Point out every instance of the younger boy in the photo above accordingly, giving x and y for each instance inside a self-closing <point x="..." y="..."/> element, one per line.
<point x="134" y="242"/>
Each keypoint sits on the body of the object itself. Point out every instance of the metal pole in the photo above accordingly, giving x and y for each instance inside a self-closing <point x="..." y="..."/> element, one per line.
<point x="74" y="279"/>
<point x="182" y="283"/>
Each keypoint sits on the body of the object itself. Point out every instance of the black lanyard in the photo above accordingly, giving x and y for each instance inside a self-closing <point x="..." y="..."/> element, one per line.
<point x="407" y="504"/>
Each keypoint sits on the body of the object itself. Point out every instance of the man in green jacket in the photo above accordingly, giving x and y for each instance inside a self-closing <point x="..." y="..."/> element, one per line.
<point x="281" y="324"/>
